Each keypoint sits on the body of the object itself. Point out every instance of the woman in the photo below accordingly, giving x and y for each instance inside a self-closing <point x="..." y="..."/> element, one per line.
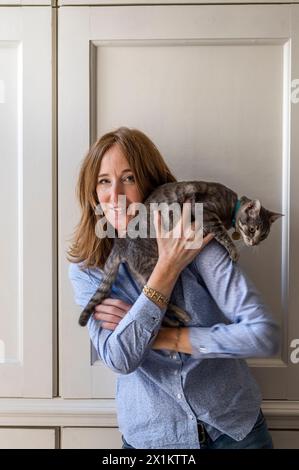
<point x="179" y="388"/>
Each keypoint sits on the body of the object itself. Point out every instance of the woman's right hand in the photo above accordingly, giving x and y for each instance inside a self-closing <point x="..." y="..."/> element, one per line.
<point x="110" y="312"/>
<point x="173" y="249"/>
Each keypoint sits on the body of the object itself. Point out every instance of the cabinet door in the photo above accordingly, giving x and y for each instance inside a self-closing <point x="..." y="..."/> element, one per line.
<point x="285" y="439"/>
<point x="14" y="438"/>
<point x="140" y="2"/>
<point x="90" y="438"/>
<point x="24" y="2"/>
<point x="26" y="270"/>
<point x="215" y="88"/>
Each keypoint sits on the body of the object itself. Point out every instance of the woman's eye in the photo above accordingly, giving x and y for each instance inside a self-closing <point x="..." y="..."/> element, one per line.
<point x="102" y="181"/>
<point x="127" y="179"/>
<point x="130" y="179"/>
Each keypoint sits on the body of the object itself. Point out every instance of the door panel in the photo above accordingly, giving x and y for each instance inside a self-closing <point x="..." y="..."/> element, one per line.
<point x="26" y="301"/>
<point x="211" y="85"/>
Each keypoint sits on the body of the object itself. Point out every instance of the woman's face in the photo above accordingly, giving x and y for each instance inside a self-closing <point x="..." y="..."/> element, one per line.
<point x="116" y="179"/>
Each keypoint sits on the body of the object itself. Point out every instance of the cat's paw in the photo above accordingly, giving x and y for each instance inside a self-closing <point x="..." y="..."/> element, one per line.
<point x="234" y="255"/>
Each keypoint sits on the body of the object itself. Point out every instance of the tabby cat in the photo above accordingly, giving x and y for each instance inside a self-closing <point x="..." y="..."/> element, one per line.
<point x="221" y="210"/>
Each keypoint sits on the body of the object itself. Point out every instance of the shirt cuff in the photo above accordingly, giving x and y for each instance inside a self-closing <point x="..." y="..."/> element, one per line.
<point x="145" y="312"/>
<point x="200" y="340"/>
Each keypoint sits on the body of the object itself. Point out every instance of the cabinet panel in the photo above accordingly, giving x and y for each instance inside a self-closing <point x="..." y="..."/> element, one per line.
<point x="14" y="438"/>
<point x="24" y="2"/>
<point x="285" y="439"/>
<point x="224" y="91"/>
<point x="90" y="438"/>
<point x="26" y="271"/>
<point x="140" y="2"/>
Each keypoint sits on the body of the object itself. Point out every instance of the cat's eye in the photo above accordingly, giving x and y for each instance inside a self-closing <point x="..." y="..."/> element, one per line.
<point x="252" y="230"/>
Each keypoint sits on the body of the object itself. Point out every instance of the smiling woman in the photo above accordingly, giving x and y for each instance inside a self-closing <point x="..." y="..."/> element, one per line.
<point x="116" y="180"/>
<point x="101" y="180"/>
<point x="178" y="387"/>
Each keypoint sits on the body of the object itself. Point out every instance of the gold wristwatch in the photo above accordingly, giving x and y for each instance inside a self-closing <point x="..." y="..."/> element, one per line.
<point x="158" y="298"/>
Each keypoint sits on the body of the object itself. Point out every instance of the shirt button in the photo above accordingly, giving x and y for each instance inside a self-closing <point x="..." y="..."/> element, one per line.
<point x="174" y="356"/>
<point x="191" y="417"/>
<point x="202" y="349"/>
<point x="179" y="395"/>
<point x="176" y="372"/>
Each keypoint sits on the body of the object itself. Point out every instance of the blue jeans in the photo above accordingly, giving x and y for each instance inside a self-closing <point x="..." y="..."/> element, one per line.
<point x="258" y="438"/>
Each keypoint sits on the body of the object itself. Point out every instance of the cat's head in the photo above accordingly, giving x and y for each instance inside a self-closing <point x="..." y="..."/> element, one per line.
<point x="253" y="221"/>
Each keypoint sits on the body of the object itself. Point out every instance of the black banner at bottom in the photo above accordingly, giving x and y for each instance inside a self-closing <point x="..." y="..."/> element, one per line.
<point x="134" y="459"/>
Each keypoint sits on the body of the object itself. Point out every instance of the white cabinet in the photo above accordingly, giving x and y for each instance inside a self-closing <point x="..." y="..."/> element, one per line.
<point x="90" y="438"/>
<point x="285" y="439"/>
<point x="24" y="2"/>
<point x="211" y="85"/>
<point x="27" y="208"/>
<point x="153" y="2"/>
<point x="24" y="438"/>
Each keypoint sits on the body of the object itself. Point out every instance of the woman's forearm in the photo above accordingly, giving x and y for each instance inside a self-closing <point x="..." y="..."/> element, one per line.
<point x="173" y="339"/>
<point x="163" y="278"/>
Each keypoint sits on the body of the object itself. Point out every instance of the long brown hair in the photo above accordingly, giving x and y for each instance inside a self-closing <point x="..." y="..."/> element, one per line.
<point x="150" y="171"/>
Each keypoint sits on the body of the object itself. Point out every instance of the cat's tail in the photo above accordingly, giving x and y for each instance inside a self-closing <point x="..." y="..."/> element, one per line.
<point x="109" y="276"/>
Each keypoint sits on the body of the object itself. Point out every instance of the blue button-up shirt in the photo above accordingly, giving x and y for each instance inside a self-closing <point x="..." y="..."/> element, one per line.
<point x="161" y="394"/>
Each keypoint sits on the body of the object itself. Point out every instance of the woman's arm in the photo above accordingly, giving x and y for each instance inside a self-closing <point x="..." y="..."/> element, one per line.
<point x="123" y="344"/>
<point x="173" y="339"/>
<point x="251" y="330"/>
<point x="121" y="347"/>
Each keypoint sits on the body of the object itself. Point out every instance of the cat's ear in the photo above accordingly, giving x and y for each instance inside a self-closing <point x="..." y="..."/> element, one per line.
<point x="274" y="216"/>
<point x="253" y="208"/>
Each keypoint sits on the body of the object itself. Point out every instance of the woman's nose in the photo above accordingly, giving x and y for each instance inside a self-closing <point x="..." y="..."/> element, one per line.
<point x="116" y="191"/>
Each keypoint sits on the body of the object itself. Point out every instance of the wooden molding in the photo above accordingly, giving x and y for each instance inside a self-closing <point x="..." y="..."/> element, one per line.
<point x="102" y="413"/>
<point x="57" y="412"/>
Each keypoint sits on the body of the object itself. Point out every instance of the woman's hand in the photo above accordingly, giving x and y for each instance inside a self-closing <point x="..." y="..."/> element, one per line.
<point x="175" y="252"/>
<point x="110" y="312"/>
<point x="173" y="245"/>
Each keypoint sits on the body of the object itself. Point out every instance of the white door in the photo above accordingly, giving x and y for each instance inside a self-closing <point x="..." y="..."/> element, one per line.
<point x="211" y="85"/>
<point x="26" y="269"/>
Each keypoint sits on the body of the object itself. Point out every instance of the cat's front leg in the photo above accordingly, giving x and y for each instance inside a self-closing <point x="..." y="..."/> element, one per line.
<point x="224" y="239"/>
<point x="233" y="252"/>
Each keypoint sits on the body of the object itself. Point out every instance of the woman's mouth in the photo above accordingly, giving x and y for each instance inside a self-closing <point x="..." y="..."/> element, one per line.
<point x="118" y="210"/>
